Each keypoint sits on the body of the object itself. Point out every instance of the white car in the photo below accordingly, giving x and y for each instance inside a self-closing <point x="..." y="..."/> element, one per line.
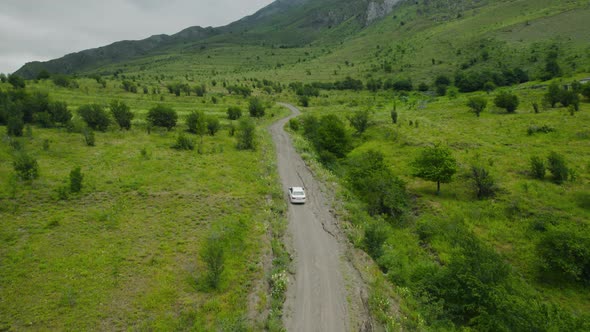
<point x="297" y="195"/>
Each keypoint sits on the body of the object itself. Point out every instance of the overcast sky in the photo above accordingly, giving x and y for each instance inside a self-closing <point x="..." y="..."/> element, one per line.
<point x="39" y="30"/>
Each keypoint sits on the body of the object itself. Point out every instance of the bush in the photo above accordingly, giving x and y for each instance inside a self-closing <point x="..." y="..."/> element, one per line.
<point x="213" y="125"/>
<point x="76" y="178"/>
<point x="360" y="121"/>
<point x="197" y="123"/>
<point x="557" y="167"/>
<point x="477" y="104"/>
<point x="25" y="166"/>
<point x="184" y="143"/>
<point x="373" y="182"/>
<point x="256" y="108"/>
<point x="294" y="124"/>
<point x="43" y="119"/>
<point x="507" y="101"/>
<point x="483" y="183"/>
<point x="537" y="168"/>
<point x="95" y="116"/>
<point x="567" y="253"/>
<point x="213" y="256"/>
<point x="162" y="116"/>
<point x="122" y="114"/>
<point x="59" y="112"/>
<point x="553" y="94"/>
<point x="15" y="126"/>
<point x="586" y="90"/>
<point x="394" y="116"/>
<point x="304" y="101"/>
<point x="246" y="135"/>
<point x="234" y="113"/>
<point x="16" y="81"/>
<point x="545" y="129"/>
<point x="374" y="236"/>
<point x="88" y="136"/>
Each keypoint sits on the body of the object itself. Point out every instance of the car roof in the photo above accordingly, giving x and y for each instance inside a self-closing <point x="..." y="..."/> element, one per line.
<point x="297" y="188"/>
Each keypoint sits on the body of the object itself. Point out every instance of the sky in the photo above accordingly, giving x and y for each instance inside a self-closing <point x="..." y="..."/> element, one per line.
<point x="40" y="30"/>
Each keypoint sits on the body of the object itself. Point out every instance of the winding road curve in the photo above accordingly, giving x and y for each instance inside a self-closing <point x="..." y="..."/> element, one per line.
<point x="320" y="296"/>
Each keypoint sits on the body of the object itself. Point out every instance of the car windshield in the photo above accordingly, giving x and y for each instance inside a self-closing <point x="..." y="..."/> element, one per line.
<point x="298" y="193"/>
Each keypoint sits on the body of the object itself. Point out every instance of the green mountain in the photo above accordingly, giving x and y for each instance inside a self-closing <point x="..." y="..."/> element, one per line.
<point x="330" y="39"/>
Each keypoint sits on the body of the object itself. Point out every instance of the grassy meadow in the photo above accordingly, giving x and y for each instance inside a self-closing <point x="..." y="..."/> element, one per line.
<point x="512" y="223"/>
<point x="124" y="253"/>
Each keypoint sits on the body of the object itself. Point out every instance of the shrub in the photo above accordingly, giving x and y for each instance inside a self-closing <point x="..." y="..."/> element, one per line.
<point x="61" y="80"/>
<point x="557" y="167"/>
<point x="122" y="114"/>
<point x="360" y="121"/>
<point x="304" y="101"/>
<point x="213" y="125"/>
<point x="15" y="126"/>
<point x="507" y="101"/>
<point x="246" y="135"/>
<point x="95" y="116"/>
<point x="88" y="136"/>
<point x="545" y="129"/>
<point x="16" y="81"/>
<point x="477" y="104"/>
<point x="586" y="90"/>
<point x="537" y="168"/>
<point x="294" y="124"/>
<point x="234" y="113"/>
<point x="256" y="108"/>
<point x="331" y="136"/>
<point x="162" y="116"/>
<point x="394" y="116"/>
<point x="483" y="183"/>
<point x="371" y="179"/>
<point x="184" y="143"/>
<point x="213" y="256"/>
<point x="59" y="112"/>
<point x="374" y="236"/>
<point x="43" y="119"/>
<point x="25" y="166"/>
<point x="76" y="178"/>
<point x="553" y="94"/>
<point x="567" y="253"/>
<point x="197" y="123"/>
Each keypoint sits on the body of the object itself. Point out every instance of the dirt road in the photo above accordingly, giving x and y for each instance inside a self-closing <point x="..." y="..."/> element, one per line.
<point x="324" y="293"/>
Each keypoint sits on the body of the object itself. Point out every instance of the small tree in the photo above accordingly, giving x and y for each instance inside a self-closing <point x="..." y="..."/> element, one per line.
<point x="374" y="238"/>
<point x="394" y="116"/>
<point x="162" y="116"/>
<point x="59" y="112"/>
<point x="25" y="166"/>
<point x="477" y="105"/>
<point x="95" y="116"/>
<point x="256" y="107"/>
<point x="435" y="164"/>
<point x="184" y="143"/>
<point x="507" y="101"/>
<point x="76" y="178"/>
<point x="359" y="120"/>
<point x="213" y="256"/>
<point x="246" y="135"/>
<point x="16" y="81"/>
<point x="213" y="125"/>
<point x="557" y="167"/>
<point x="234" y="113"/>
<point x="483" y="183"/>
<point x="537" y="168"/>
<point x="122" y="114"/>
<point x="553" y="94"/>
<point x="15" y="126"/>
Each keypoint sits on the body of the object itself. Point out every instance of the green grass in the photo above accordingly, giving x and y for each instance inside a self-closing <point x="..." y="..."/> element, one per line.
<point x="500" y="142"/>
<point x="124" y="253"/>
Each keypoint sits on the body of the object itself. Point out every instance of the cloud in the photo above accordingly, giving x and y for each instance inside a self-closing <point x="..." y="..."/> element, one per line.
<point x="46" y="29"/>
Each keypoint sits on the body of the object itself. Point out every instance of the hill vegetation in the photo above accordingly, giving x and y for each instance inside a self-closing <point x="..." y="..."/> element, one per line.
<point x="454" y="133"/>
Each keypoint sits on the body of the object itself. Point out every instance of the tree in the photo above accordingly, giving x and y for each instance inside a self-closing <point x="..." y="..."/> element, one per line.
<point x="197" y="123"/>
<point x="246" y="135"/>
<point x="234" y="113"/>
<point x="15" y="126"/>
<point x="435" y="164"/>
<point x="76" y="178"/>
<point x="16" y="81"/>
<point x="359" y="120"/>
<point x="553" y="94"/>
<point x="43" y="75"/>
<point x="122" y="114"/>
<point x="213" y="125"/>
<point x="567" y="252"/>
<point x="256" y="107"/>
<point x="507" y="101"/>
<point x="95" y="116"/>
<point x="557" y="167"/>
<point x="477" y="105"/>
<point x="332" y="137"/>
<point x="162" y="116"/>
